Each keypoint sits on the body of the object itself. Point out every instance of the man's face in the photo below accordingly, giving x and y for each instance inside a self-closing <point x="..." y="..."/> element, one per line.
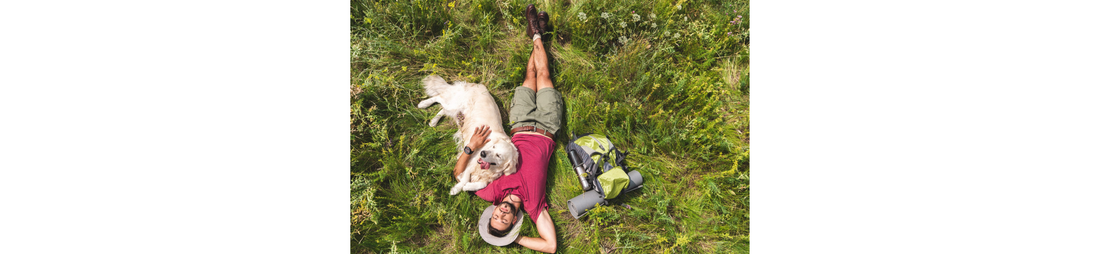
<point x="503" y="216"/>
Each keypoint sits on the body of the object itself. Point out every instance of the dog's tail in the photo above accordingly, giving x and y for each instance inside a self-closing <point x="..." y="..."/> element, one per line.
<point x="434" y="85"/>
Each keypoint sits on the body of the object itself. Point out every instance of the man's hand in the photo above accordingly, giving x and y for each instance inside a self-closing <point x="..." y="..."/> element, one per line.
<point x="548" y="238"/>
<point x="481" y="136"/>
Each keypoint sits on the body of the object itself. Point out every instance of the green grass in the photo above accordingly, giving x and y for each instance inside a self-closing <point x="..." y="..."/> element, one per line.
<point x="673" y="94"/>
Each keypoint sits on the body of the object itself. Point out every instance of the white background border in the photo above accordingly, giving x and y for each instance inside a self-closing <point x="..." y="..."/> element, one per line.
<point x="925" y="127"/>
<point x="174" y="127"/>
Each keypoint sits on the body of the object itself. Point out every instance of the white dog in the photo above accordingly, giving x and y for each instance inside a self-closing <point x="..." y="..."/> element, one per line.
<point x="471" y="106"/>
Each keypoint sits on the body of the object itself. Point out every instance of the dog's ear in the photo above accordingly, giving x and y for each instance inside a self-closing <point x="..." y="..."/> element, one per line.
<point x="510" y="165"/>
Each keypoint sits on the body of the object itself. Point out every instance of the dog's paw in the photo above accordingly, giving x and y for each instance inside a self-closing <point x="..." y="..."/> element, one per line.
<point x="474" y="186"/>
<point x="434" y="122"/>
<point x="456" y="189"/>
<point x="425" y="103"/>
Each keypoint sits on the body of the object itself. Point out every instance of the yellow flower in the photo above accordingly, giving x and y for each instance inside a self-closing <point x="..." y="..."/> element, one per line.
<point x="404" y="68"/>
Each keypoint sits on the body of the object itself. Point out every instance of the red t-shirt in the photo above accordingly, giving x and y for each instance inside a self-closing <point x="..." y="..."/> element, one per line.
<point x="529" y="181"/>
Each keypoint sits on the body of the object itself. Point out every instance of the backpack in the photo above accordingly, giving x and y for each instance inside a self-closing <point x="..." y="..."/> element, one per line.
<point x="598" y="164"/>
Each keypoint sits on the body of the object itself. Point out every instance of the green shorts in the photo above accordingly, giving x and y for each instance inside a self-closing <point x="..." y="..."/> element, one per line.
<point x="542" y="110"/>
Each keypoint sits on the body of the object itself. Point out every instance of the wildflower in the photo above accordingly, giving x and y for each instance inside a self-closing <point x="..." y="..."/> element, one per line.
<point x="582" y="16"/>
<point x="622" y="39"/>
<point x="605" y="15"/>
<point x="652" y="16"/>
<point x="636" y="17"/>
<point x="685" y="19"/>
<point x="677" y="35"/>
<point x="654" y="25"/>
<point x="622" y="24"/>
<point x="678" y="7"/>
<point x="738" y="16"/>
<point x="666" y="33"/>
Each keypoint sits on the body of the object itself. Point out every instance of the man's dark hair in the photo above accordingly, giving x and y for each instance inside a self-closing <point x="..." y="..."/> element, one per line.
<point x="500" y="233"/>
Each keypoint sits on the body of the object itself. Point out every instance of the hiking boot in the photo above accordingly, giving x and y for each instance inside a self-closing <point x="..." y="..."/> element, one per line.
<point x="532" y="20"/>
<point x="543" y="19"/>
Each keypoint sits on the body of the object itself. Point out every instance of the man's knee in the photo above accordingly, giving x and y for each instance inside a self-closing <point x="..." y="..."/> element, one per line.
<point x="543" y="72"/>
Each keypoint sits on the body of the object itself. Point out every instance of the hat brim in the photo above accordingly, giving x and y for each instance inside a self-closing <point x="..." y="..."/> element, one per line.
<point x="483" y="228"/>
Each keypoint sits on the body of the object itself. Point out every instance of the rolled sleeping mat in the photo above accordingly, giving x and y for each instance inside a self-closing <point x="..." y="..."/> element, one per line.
<point x="635" y="180"/>
<point x="579" y="205"/>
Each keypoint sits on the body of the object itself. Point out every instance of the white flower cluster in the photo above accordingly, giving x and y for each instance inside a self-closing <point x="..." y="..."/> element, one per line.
<point x="622" y="24"/>
<point x="582" y="16"/>
<point x="652" y="16"/>
<point x="623" y="39"/>
<point x="605" y="15"/>
<point x="636" y="17"/>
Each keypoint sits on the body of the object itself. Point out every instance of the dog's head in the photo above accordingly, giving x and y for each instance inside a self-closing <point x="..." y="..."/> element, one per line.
<point x="499" y="155"/>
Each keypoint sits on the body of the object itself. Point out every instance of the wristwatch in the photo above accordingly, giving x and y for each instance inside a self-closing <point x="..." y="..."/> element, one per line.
<point x="467" y="150"/>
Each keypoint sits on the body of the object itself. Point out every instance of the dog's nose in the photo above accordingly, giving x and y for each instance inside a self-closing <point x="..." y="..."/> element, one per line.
<point x="482" y="154"/>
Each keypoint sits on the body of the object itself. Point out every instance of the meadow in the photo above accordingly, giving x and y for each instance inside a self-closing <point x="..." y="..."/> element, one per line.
<point x="668" y="81"/>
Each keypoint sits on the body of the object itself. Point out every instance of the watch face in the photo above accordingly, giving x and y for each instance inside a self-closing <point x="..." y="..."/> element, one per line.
<point x="467" y="150"/>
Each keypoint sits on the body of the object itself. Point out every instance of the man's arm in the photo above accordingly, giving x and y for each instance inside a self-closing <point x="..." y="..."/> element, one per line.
<point x="481" y="136"/>
<point x="548" y="238"/>
<point x="461" y="165"/>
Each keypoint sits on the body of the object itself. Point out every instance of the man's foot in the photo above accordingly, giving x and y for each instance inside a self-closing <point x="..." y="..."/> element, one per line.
<point x="532" y="20"/>
<point x="543" y="19"/>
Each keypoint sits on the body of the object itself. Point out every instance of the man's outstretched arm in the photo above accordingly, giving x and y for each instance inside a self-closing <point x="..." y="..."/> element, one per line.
<point x="481" y="136"/>
<point x="548" y="238"/>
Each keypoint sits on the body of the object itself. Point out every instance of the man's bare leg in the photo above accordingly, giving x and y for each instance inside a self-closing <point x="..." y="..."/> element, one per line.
<point x="529" y="80"/>
<point x="542" y="68"/>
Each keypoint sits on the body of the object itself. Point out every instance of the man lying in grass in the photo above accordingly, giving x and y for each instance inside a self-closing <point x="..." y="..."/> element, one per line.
<point x="535" y="117"/>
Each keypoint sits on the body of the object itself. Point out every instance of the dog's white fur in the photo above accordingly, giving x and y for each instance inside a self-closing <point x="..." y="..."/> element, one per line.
<point x="476" y="104"/>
